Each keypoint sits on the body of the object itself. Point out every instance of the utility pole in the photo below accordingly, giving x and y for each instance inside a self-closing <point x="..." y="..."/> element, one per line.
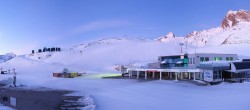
<point x="186" y="44"/>
<point x="181" y="44"/>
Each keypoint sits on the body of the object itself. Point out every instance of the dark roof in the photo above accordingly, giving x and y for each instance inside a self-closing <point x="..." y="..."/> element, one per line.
<point x="214" y="68"/>
<point x="242" y="65"/>
<point x="246" y="60"/>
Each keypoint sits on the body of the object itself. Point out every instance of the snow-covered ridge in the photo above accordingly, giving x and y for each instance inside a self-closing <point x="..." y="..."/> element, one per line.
<point x="7" y="57"/>
<point x="234" y="29"/>
<point x="170" y="37"/>
<point x="102" y="41"/>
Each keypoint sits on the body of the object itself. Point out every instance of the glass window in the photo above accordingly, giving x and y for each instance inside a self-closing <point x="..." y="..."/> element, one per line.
<point x="202" y="59"/>
<point x="217" y="58"/>
<point x="206" y="58"/>
<point x="191" y="61"/>
<point x="217" y="75"/>
<point x="231" y="58"/>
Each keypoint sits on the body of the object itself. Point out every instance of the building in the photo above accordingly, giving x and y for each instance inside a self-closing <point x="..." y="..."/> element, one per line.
<point x="196" y="58"/>
<point x="232" y="71"/>
<point x="172" y="61"/>
<point x="193" y="60"/>
<point x="208" y="67"/>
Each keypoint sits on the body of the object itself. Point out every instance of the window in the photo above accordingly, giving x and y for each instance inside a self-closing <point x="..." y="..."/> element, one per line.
<point x="202" y="59"/>
<point x="206" y="58"/>
<point x="191" y="60"/>
<point x="217" y="75"/>
<point x="229" y="58"/>
<point x="217" y="58"/>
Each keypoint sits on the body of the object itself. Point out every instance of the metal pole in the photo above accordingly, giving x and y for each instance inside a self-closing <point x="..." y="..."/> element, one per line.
<point x="194" y="75"/>
<point x="176" y="76"/>
<point x="160" y="75"/>
<point x="137" y="74"/>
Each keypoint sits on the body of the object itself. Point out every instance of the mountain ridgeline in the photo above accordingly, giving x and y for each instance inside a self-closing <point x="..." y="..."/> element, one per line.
<point x="234" y="29"/>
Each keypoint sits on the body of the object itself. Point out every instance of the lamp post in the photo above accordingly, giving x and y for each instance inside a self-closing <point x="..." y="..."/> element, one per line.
<point x="181" y="44"/>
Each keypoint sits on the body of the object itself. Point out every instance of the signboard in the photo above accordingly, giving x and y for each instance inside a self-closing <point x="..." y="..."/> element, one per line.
<point x="13" y="101"/>
<point x="182" y="56"/>
<point x="208" y="75"/>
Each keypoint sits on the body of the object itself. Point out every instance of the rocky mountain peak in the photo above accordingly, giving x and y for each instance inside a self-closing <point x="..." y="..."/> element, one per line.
<point x="170" y="35"/>
<point x="191" y="34"/>
<point x="167" y="37"/>
<point x="234" y="17"/>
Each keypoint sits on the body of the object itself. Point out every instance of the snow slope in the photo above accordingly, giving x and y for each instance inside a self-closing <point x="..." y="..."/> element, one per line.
<point x="102" y="55"/>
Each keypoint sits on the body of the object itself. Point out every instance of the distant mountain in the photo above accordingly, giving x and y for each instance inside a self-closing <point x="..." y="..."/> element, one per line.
<point x="170" y="37"/>
<point x="6" y="57"/>
<point x="234" y="29"/>
<point x="233" y="18"/>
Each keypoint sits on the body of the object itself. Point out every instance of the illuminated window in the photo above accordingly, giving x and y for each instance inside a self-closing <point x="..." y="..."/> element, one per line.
<point x="217" y="58"/>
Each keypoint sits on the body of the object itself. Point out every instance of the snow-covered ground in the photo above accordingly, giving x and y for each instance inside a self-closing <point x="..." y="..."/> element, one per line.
<point x="2" y="107"/>
<point x="98" y="59"/>
<point x="132" y="94"/>
<point x="119" y="94"/>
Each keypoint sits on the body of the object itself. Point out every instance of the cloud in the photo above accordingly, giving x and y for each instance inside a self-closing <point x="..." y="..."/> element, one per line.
<point x="99" y="25"/>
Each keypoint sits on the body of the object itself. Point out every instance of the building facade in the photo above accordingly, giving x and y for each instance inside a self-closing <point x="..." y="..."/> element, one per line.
<point x="208" y="67"/>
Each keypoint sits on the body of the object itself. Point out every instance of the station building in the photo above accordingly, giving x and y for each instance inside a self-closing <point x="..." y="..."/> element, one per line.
<point x="208" y="67"/>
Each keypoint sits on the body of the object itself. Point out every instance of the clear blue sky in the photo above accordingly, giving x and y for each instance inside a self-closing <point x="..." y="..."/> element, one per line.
<point x="33" y="24"/>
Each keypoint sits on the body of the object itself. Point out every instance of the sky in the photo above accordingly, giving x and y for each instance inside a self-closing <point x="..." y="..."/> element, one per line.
<point x="32" y="24"/>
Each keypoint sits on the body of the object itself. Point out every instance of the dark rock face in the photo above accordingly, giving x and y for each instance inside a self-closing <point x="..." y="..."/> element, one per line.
<point x="234" y="17"/>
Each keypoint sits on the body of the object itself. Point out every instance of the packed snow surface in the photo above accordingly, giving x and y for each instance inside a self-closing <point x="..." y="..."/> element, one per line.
<point x="132" y="94"/>
<point x="98" y="59"/>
